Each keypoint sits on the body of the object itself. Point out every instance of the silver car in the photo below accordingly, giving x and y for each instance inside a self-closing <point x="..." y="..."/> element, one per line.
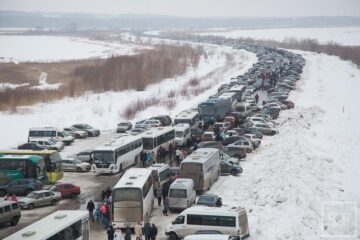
<point x="73" y="164"/>
<point x="40" y="198"/>
<point x="265" y="129"/>
<point x="84" y="156"/>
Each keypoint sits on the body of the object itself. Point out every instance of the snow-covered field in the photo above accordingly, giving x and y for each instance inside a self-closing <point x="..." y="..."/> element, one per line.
<point x="56" y="48"/>
<point x="104" y="110"/>
<point x="342" y="35"/>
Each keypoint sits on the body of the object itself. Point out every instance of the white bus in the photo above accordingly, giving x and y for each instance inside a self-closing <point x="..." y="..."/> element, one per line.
<point x="160" y="172"/>
<point x="230" y="221"/>
<point x="133" y="198"/>
<point x="60" y="225"/>
<point x="118" y="154"/>
<point x="182" y="134"/>
<point x="239" y="90"/>
<point x="188" y="116"/>
<point x="202" y="166"/>
<point x="156" y="137"/>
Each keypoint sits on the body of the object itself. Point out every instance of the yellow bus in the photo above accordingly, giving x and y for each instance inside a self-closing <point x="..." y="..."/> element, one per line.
<point x="52" y="161"/>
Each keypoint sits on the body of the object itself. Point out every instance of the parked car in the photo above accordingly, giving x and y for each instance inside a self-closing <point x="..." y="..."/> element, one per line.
<point x="49" y="144"/>
<point x="227" y="158"/>
<point x="76" y="133"/>
<point x="221" y="126"/>
<point x="232" y="139"/>
<point x="136" y="131"/>
<point x="196" y="133"/>
<point x="254" y="140"/>
<point x="92" y="132"/>
<point x="142" y="126"/>
<point x="255" y="132"/>
<point x="39" y="198"/>
<point x="235" y="152"/>
<point x="123" y="127"/>
<point x="289" y="104"/>
<point x="209" y="200"/>
<point x="31" y="146"/>
<point x="265" y="129"/>
<point x="164" y="119"/>
<point x="209" y="144"/>
<point x="84" y="156"/>
<point x="9" y="212"/>
<point x="66" y="189"/>
<point x="153" y="123"/>
<point x="208" y="136"/>
<point x="261" y="120"/>
<point x="231" y="120"/>
<point x="75" y="165"/>
<point x="245" y="144"/>
<point x="228" y="168"/>
<point x="20" y="187"/>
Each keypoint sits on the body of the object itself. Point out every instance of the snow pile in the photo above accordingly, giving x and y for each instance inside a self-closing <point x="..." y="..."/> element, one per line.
<point x="314" y="158"/>
<point x="104" y="110"/>
<point x="43" y="85"/>
<point x="342" y="35"/>
<point x="55" y="48"/>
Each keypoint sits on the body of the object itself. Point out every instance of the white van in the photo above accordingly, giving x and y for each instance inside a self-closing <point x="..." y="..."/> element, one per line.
<point x="243" y="108"/>
<point x="50" y="133"/>
<point x="181" y="194"/>
<point x="230" y="221"/>
<point x="210" y="237"/>
<point x="182" y="134"/>
<point x="160" y="173"/>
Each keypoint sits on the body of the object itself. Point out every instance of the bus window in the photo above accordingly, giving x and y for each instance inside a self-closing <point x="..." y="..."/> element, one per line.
<point x="148" y="143"/>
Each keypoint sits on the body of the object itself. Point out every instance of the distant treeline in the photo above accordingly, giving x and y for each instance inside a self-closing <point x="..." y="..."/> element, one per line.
<point x="115" y="74"/>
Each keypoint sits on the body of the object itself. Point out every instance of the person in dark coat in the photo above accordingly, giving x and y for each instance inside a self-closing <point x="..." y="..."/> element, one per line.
<point x="108" y="192"/>
<point x="110" y="232"/>
<point x="171" y="151"/>
<point x="147" y="231"/>
<point x="127" y="233"/>
<point x="103" y="195"/>
<point x="256" y="98"/>
<point x="154" y="232"/>
<point x="164" y="190"/>
<point x="90" y="207"/>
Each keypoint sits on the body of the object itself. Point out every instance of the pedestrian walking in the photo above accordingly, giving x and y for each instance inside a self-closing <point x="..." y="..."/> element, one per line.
<point x="118" y="234"/>
<point x="127" y="233"/>
<point x="110" y="232"/>
<point x="166" y="206"/>
<point x="97" y="213"/>
<point x="177" y="156"/>
<point x="104" y="215"/>
<point x="147" y="231"/>
<point x="142" y="158"/>
<point x="171" y="151"/>
<point x="90" y="207"/>
<point x="138" y="231"/>
<point x="103" y="195"/>
<point x="164" y="191"/>
<point x="256" y="98"/>
<point x="149" y="158"/>
<point x="154" y="232"/>
<point x="158" y="195"/>
<point x="108" y="192"/>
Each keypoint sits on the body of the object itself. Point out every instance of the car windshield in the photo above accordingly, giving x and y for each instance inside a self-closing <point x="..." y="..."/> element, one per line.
<point x="179" y="134"/>
<point x="77" y="161"/>
<point x="31" y="195"/>
<point x="206" y="199"/>
<point x="52" y="188"/>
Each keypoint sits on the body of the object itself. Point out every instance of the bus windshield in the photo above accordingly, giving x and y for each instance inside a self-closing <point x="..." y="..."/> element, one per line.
<point x="206" y="109"/>
<point x="126" y="194"/>
<point x="103" y="157"/>
<point x="148" y="143"/>
<point x="179" y="134"/>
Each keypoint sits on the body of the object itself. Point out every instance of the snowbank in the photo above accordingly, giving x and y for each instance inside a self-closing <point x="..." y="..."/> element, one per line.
<point x="343" y="35"/>
<point x="312" y="160"/>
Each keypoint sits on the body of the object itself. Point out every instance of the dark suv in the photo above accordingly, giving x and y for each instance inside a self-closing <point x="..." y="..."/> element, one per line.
<point x="31" y="146"/>
<point x="20" y="187"/>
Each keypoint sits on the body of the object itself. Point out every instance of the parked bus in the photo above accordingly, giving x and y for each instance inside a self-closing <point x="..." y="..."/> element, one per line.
<point x="133" y="198"/>
<point x="156" y="137"/>
<point x="190" y="116"/>
<point x="161" y="173"/>
<point x="224" y="220"/>
<point x="215" y="109"/>
<point x="118" y="154"/>
<point x="239" y="90"/>
<point x="52" y="161"/>
<point x="60" y="225"/>
<point x="20" y="167"/>
<point x="202" y="166"/>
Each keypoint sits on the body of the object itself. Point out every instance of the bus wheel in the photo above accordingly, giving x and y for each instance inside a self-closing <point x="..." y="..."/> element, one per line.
<point x="30" y="206"/>
<point x="53" y="202"/>
<point x="2" y="193"/>
<point x="173" y="236"/>
<point x="14" y="221"/>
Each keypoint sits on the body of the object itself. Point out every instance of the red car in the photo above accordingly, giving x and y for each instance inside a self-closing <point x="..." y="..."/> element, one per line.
<point x="66" y="189"/>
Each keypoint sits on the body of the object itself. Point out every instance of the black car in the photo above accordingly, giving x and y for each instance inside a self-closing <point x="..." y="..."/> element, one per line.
<point x="210" y="200"/>
<point x="31" y="146"/>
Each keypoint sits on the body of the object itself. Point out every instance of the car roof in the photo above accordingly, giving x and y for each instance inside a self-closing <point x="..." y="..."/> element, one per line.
<point x="5" y="203"/>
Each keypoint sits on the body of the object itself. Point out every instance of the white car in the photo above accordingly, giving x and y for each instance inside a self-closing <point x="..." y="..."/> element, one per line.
<point x="231" y="133"/>
<point x="254" y="140"/>
<point x="76" y="133"/>
<point x="261" y="120"/>
<point x="153" y="123"/>
<point x="49" y="144"/>
<point x="73" y="164"/>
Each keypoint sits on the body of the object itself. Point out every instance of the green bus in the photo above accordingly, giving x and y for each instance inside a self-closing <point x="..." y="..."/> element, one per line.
<point x="52" y="161"/>
<point x="22" y="166"/>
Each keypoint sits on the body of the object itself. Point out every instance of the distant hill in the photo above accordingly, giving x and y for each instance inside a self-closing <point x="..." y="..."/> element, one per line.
<point x="60" y="21"/>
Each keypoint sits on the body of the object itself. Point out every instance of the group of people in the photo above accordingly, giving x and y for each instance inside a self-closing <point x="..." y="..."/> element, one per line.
<point x="161" y="193"/>
<point x="150" y="231"/>
<point x="273" y="78"/>
<point x="9" y="197"/>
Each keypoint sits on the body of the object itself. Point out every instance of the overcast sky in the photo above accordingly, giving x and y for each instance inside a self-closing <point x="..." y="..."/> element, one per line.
<point x="193" y="8"/>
